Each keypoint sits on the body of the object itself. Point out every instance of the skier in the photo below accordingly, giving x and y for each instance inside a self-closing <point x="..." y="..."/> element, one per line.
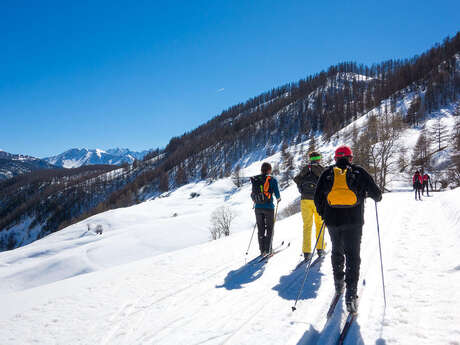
<point x="306" y="183"/>
<point x="426" y="179"/>
<point x="417" y="184"/>
<point x="339" y="199"/>
<point x="263" y="188"/>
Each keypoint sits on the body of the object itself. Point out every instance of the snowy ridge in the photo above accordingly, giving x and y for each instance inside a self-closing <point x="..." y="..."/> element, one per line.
<point x="16" y="164"/>
<point x="75" y="158"/>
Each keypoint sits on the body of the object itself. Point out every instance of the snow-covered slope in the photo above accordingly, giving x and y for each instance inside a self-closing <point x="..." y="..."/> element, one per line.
<point x="206" y="294"/>
<point x="16" y="164"/>
<point x="75" y="158"/>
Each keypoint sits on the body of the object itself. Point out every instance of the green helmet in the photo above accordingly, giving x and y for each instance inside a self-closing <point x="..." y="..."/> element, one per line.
<point x="314" y="156"/>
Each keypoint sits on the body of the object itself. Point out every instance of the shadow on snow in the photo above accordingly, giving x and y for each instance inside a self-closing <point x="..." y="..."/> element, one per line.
<point x="289" y="285"/>
<point x="244" y="275"/>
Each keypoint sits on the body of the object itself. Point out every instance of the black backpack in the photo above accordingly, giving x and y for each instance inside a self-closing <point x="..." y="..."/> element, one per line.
<point x="308" y="182"/>
<point x="260" y="189"/>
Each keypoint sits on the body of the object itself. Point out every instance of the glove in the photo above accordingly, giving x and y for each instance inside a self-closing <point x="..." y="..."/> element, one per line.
<point x="378" y="198"/>
<point x="278" y="200"/>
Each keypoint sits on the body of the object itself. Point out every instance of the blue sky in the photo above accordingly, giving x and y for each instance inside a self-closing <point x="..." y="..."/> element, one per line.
<point x="135" y="73"/>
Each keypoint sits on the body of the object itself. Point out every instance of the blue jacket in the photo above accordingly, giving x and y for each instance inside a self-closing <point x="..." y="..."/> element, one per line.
<point x="273" y="189"/>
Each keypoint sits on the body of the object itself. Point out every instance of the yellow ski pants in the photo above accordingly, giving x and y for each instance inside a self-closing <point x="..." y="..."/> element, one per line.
<point x="308" y="211"/>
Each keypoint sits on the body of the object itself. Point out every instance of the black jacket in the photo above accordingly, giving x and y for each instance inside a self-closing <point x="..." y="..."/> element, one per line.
<point x="310" y="173"/>
<point x="363" y="185"/>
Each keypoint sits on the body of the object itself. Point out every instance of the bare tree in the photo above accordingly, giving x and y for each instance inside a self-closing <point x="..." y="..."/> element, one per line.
<point x="387" y="133"/>
<point x="221" y="221"/>
<point x="421" y="155"/>
<point x="287" y="164"/>
<point x="377" y="146"/>
<point x="402" y="159"/>
<point x="204" y="170"/>
<point x="438" y="132"/>
<point x="164" y="182"/>
<point x="312" y="144"/>
<point x="181" y="176"/>
<point x="454" y="170"/>
<point x="236" y="177"/>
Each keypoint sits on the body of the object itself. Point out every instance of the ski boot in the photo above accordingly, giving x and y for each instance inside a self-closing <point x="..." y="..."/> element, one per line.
<point x="307" y="257"/>
<point x="351" y="301"/>
<point x="321" y="252"/>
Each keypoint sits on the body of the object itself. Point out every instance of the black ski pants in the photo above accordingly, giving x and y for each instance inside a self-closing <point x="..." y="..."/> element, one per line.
<point x="425" y="185"/>
<point x="265" y="222"/>
<point x="346" y="246"/>
<point x="418" y="188"/>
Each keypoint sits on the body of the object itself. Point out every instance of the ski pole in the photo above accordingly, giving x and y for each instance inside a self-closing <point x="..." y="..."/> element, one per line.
<point x="381" y="260"/>
<point x="273" y="232"/>
<point x="250" y="241"/>
<point x="307" y="271"/>
<point x="276" y="212"/>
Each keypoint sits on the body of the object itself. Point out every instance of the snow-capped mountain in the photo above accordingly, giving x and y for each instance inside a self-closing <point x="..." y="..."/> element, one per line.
<point x="16" y="164"/>
<point x="75" y="158"/>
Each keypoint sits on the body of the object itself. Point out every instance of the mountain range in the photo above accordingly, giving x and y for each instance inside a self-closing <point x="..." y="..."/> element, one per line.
<point x="15" y="164"/>
<point x="75" y="158"/>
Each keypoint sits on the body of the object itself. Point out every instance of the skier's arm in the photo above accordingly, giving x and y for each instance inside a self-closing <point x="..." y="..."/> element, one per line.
<point x="319" y="195"/>
<point x="276" y="190"/>
<point x="300" y="175"/>
<point x="371" y="187"/>
<point x="297" y="179"/>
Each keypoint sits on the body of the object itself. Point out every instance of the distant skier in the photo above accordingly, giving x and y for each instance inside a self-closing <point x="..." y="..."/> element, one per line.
<point x="339" y="199"/>
<point x="263" y="188"/>
<point x="417" y="184"/>
<point x="426" y="180"/>
<point x="306" y="182"/>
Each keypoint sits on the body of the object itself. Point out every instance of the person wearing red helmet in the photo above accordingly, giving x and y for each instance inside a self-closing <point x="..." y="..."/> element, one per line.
<point x="417" y="184"/>
<point x="426" y="180"/>
<point x="339" y="199"/>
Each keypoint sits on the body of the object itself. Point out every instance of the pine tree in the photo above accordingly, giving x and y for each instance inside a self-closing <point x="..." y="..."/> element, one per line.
<point x="438" y="132"/>
<point x="181" y="176"/>
<point x="204" y="170"/>
<point x="287" y="164"/>
<point x="164" y="182"/>
<point x="421" y="155"/>
<point x="414" y="111"/>
<point x="236" y="177"/>
<point x="312" y="144"/>
<point x="454" y="171"/>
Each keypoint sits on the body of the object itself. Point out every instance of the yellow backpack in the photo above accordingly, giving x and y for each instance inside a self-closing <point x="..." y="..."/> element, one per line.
<point x="341" y="196"/>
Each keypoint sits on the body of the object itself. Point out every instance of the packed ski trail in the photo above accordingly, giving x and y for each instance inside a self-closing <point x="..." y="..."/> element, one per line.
<point x="206" y="294"/>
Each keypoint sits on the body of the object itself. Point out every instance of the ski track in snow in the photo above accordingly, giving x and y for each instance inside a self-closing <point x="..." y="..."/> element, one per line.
<point x="206" y="294"/>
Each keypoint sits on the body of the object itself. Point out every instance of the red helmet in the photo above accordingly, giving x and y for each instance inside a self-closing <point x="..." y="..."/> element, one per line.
<point x="343" y="151"/>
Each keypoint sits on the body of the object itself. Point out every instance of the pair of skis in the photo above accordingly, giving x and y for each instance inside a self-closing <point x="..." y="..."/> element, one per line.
<point x="348" y="323"/>
<point x="280" y="248"/>
<point x="263" y="258"/>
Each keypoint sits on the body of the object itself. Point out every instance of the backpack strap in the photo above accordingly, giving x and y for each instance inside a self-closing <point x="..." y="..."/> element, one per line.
<point x="267" y="187"/>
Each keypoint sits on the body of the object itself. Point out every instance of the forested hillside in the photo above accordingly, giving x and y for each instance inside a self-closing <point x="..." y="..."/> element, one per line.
<point x="404" y="91"/>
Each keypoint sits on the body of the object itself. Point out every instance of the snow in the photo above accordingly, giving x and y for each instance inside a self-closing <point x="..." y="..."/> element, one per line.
<point x="152" y="278"/>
